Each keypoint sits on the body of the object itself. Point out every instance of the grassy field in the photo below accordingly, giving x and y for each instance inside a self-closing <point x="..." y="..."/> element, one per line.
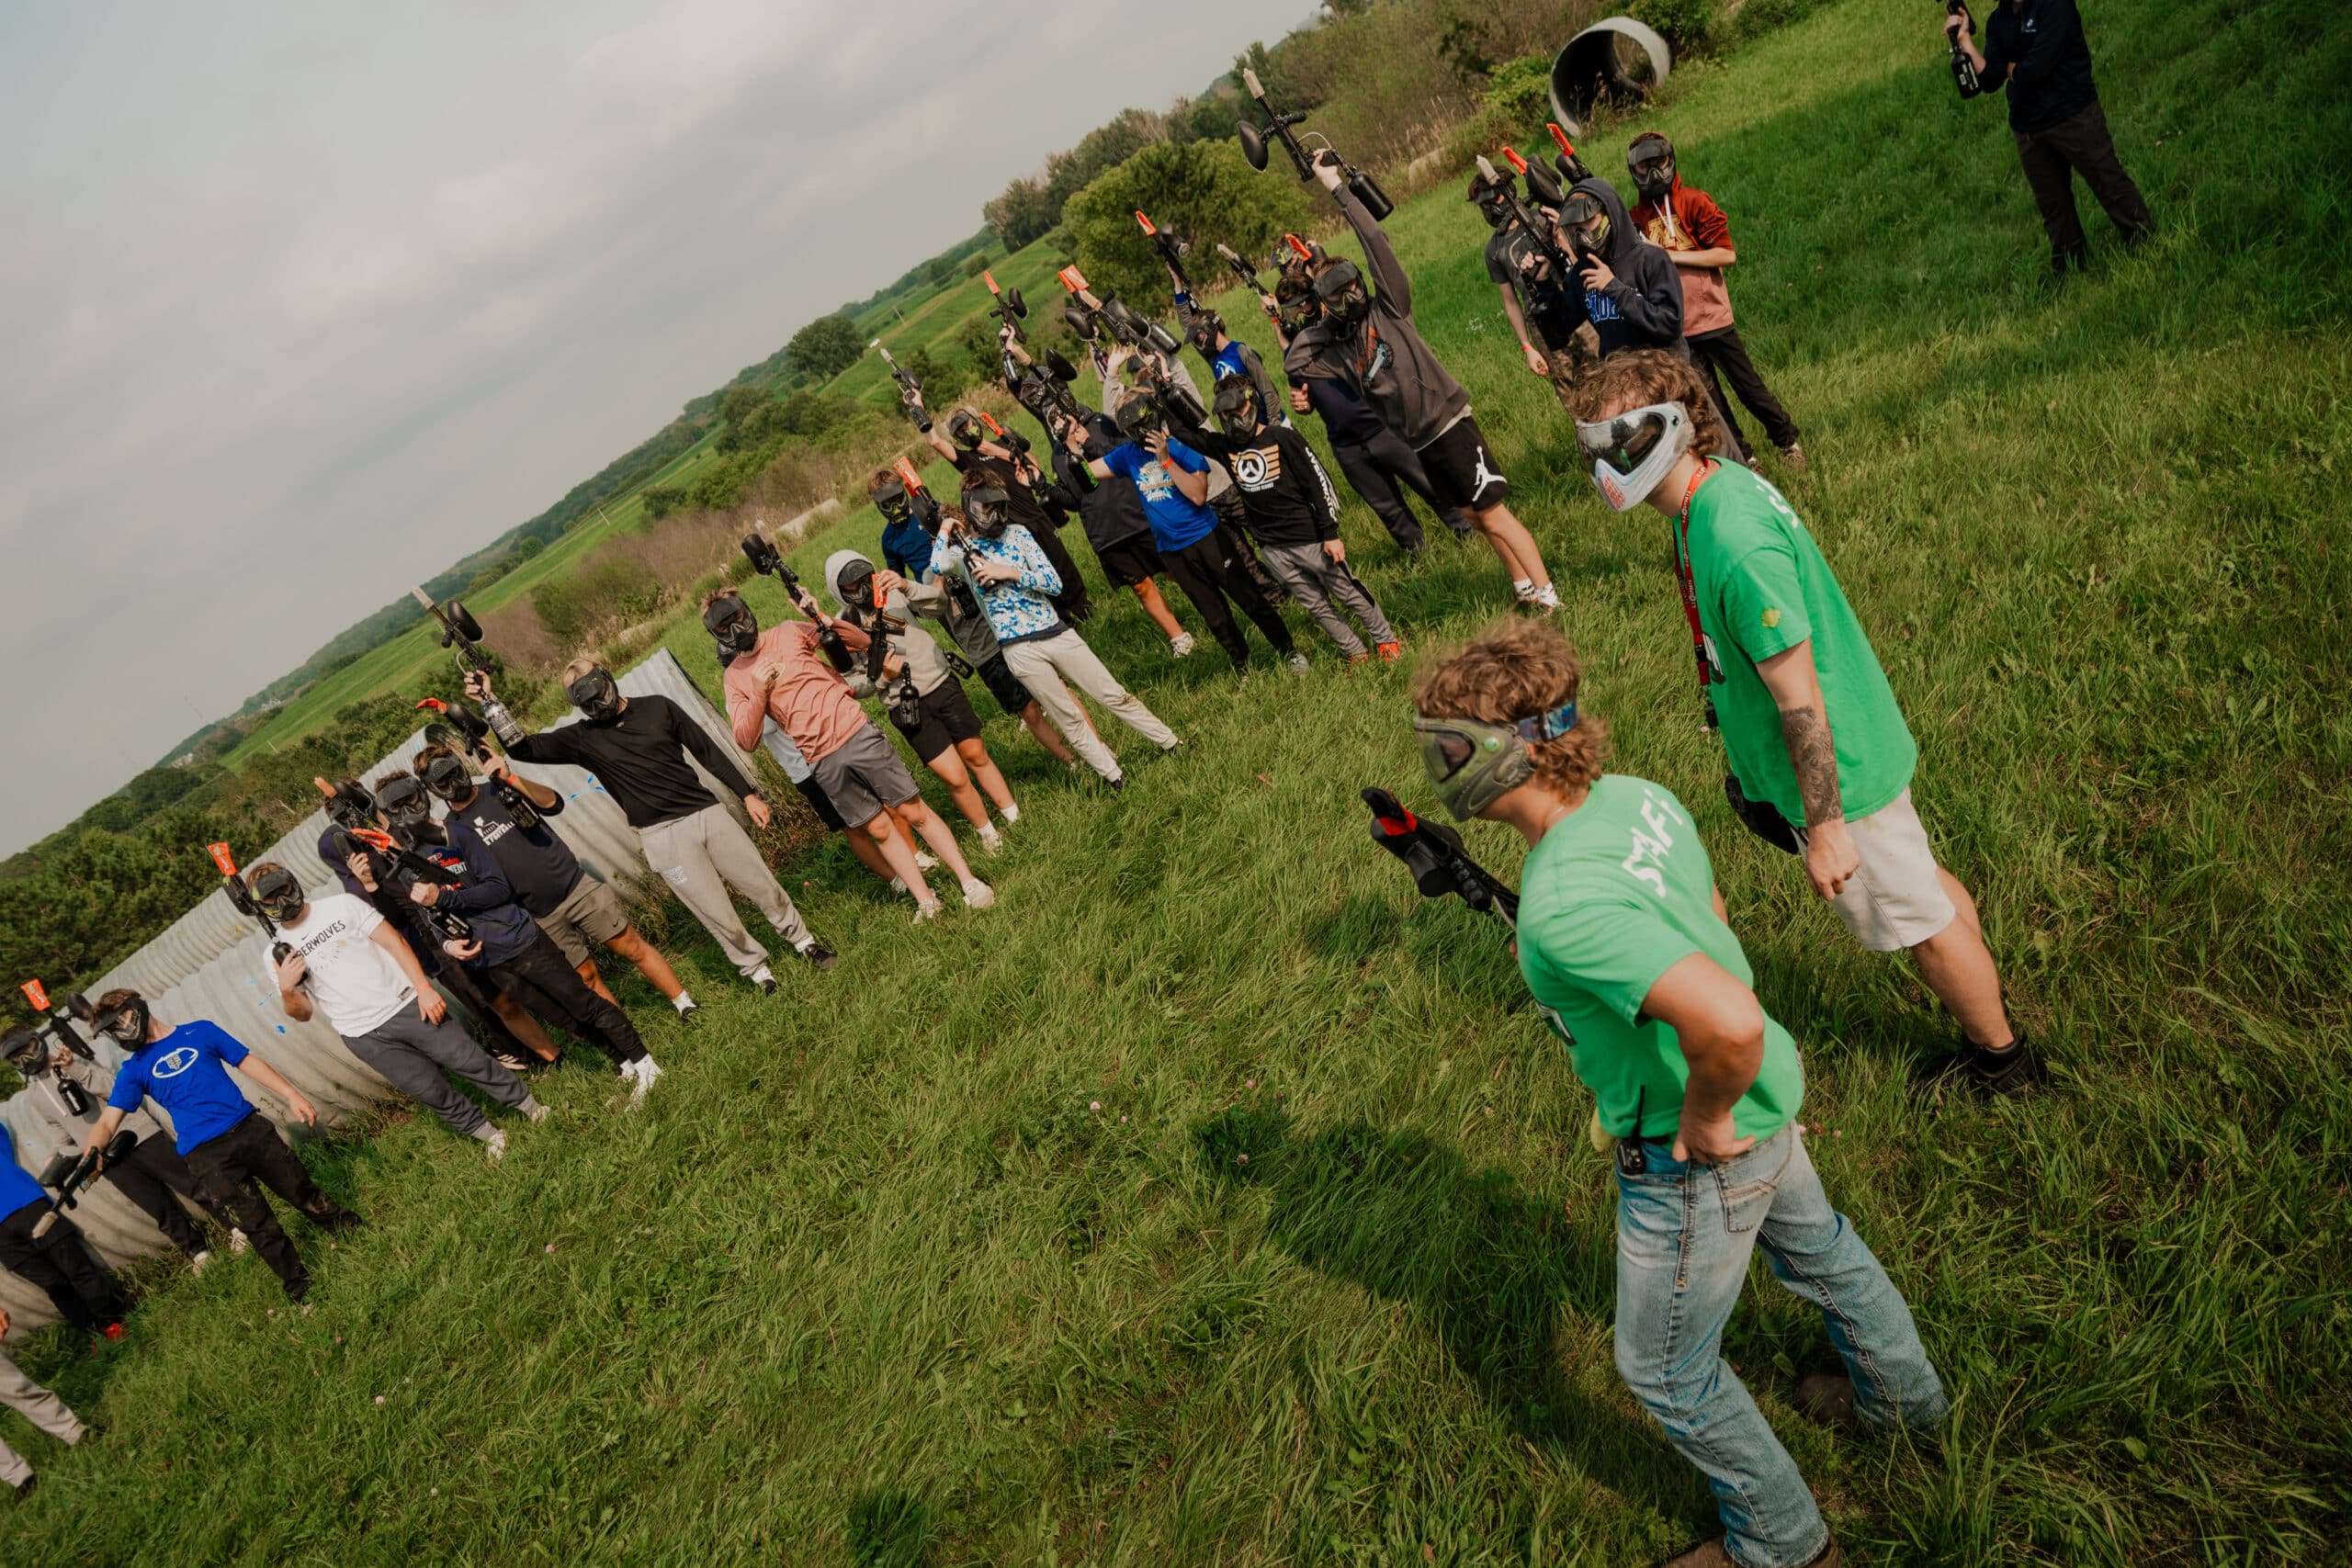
<point x="950" y="1257"/>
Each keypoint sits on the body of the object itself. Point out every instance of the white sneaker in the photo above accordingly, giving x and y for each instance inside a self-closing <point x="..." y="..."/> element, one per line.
<point x="978" y="894"/>
<point x="495" y="1144"/>
<point x="929" y="911"/>
<point x="1298" y="663"/>
<point x="898" y="884"/>
<point x="925" y="862"/>
<point x="537" y="1111"/>
<point x="1182" y="644"/>
<point x="990" y="840"/>
<point x="1011" y="814"/>
<point x="237" y="1243"/>
<point x="196" y="1264"/>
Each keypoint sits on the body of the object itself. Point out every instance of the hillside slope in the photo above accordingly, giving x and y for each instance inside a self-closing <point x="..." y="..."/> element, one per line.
<point x="950" y="1256"/>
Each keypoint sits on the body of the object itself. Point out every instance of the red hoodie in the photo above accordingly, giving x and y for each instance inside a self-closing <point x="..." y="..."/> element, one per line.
<point x="1696" y="225"/>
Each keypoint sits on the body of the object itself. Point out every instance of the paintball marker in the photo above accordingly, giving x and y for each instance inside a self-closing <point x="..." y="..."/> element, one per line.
<point x="1095" y="319"/>
<point x="459" y="630"/>
<point x="85" y="1171"/>
<point x="1434" y="854"/>
<point x="395" y="867"/>
<point x="240" y="898"/>
<point x="1248" y="274"/>
<point x="28" y="1050"/>
<point x="1545" y="234"/>
<point x="458" y="729"/>
<point x="1171" y="251"/>
<point x="767" y="561"/>
<point x="910" y="389"/>
<point x="1571" y="167"/>
<point x="1963" y="70"/>
<point x="1254" y="147"/>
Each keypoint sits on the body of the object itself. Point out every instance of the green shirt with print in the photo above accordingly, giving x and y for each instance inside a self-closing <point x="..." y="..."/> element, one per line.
<point x="1615" y="894"/>
<point x="1763" y="588"/>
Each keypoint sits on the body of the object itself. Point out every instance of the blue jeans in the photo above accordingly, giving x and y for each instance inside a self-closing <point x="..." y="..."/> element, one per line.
<point x="1684" y="1234"/>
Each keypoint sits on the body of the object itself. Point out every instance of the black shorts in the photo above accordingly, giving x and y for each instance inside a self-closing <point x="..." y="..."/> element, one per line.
<point x="1131" y="561"/>
<point x="947" y="720"/>
<point x="1462" y="469"/>
<point x="1005" y="687"/>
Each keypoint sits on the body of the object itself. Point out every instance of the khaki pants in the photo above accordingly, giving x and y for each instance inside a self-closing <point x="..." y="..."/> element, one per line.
<point x="1043" y="665"/>
<point x="703" y="856"/>
<point x="40" y="1408"/>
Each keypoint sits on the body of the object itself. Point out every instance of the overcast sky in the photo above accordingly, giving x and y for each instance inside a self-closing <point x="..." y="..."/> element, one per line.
<point x="299" y="303"/>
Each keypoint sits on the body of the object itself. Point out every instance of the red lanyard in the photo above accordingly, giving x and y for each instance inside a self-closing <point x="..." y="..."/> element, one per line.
<point x="1686" y="579"/>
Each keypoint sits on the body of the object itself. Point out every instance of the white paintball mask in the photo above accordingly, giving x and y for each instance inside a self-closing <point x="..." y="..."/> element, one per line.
<point x="1631" y="453"/>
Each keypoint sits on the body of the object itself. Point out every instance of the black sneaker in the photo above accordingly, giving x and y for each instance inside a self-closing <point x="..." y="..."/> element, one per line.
<point x="824" y="957"/>
<point x="767" y="987"/>
<point x="25" y="1487"/>
<point x="1119" y="783"/>
<point x="2010" y="1073"/>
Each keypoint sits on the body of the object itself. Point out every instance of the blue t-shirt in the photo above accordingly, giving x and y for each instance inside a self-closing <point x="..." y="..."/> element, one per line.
<point x="906" y="549"/>
<point x="1176" y="520"/>
<point x="186" y="1073"/>
<point x="17" y="1188"/>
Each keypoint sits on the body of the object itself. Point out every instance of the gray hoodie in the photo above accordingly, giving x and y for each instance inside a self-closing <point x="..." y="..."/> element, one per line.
<point x="1414" y="394"/>
<point x="925" y="666"/>
<point x="1641" y="307"/>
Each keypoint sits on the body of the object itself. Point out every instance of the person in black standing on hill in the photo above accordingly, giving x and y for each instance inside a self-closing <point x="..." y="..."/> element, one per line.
<point x="2036" y="50"/>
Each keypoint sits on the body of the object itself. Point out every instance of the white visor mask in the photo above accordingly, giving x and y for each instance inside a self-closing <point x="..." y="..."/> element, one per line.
<point x="1630" y="454"/>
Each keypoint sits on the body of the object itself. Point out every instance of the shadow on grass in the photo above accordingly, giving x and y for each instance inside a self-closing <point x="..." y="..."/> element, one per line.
<point x="889" y="1529"/>
<point x="1405" y="1218"/>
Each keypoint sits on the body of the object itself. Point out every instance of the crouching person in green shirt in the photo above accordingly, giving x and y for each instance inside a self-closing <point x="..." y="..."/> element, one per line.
<point x="1622" y="941"/>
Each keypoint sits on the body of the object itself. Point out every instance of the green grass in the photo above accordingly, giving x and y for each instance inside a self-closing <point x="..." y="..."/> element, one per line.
<point x="936" y="322"/>
<point x="871" y="1282"/>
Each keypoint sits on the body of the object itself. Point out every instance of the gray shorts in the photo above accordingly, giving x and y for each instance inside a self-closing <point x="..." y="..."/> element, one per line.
<point x="864" y="777"/>
<point x="590" y="916"/>
<point x="1894" y="898"/>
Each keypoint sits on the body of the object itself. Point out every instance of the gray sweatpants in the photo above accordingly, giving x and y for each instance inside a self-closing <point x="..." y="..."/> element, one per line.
<point x="40" y="1408"/>
<point x="413" y="1056"/>
<point x="1315" y="580"/>
<point x="1044" y="663"/>
<point x="703" y="855"/>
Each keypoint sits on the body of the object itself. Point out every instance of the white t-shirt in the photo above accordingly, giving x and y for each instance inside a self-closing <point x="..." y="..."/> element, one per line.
<point x="352" y="980"/>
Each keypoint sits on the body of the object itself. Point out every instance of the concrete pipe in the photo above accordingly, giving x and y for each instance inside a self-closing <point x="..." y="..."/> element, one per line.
<point x="1616" y="57"/>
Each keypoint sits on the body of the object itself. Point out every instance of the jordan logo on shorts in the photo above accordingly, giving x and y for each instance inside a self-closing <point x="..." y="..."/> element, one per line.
<point x="1483" y="475"/>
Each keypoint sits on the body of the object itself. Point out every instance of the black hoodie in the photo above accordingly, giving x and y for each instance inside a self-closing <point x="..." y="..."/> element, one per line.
<point x="1641" y="306"/>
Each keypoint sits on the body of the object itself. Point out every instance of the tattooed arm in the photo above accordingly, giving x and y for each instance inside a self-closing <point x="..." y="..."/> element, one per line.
<point x="1830" y="857"/>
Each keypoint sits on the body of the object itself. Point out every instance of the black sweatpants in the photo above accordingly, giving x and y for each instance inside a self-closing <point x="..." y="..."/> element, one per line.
<point x="149" y="1175"/>
<point x="1208" y="578"/>
<point x="1374" y="469"/>
<point x="1071" y="602"/>
<point x="1240" y="550"/>
<point x="2080" y="144"/>
<point x="1722" y="357"/>
<point x="60" y="1265"/>
<point x="235" y="1167"/>
<point x="489" y="1029"/>
<point x="542" y="982"/>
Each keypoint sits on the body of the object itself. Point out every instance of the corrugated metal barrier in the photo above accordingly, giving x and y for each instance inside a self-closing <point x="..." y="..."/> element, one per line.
<point x="214" y="963"/>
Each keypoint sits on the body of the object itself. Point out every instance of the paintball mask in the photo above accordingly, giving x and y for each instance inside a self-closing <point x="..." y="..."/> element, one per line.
<point x="855" y="586"/>
<point x="406" y="806"/>
<point x="1339" y="290"/>
<point x="989" y="510"/>
<point x="126" y="1025"/>
<point x="448" y="777"/>
<point x="1650" y="160"/>
<point x="1630" y="454"/>
<point x="964" y="429"/>
<point x="1587" y="223"/>
<point x="1493" y="202"/>
<point x="351" y="806"/>
<point x="891" y="502"/>
<point x="1237" y="405"/>
<point x="277" y="894"/>
<point x="1141" y="415"/>
<point x="596" y="694"/>
<point x="1473" y="764"/>
<point x="26" y="1051"/>
<point x="730" y="620"/>
<point x="1206" y="328"/>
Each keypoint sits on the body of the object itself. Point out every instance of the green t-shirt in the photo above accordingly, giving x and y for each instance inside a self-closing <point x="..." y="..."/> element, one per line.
<point x="1615" y="894"/>
<point x="1763" y="588"/>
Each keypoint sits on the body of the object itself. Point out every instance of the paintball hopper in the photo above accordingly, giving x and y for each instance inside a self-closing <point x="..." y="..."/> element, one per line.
<point x="761" y="551"/>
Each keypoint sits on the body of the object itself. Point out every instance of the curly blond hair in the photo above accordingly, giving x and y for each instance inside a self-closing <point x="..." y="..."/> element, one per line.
<point x="1515" y="671"/>
<point x="1640" y="376"/>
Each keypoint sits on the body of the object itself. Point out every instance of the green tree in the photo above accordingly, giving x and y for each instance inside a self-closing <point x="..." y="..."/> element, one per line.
<point x="1020" y="213"/>
<point x="1205" y="190"/>
<point x="825" y="347"/>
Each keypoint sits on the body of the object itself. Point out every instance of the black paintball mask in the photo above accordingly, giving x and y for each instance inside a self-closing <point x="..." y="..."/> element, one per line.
<point x="730" y="621"/>
<point x="964" y="429"/>
<point x="1237" y="405"/>
<point x="1587" y="221"/>
<point x="989" y="510"/>
<point x="408" y="810"/>
<point x="26" y="1051"/>
<point x="596" y="694"/>
<point x="1207" y="327"/>
<point x="1339" y="288"/>
<point x="1650" y="160"/>
<point x="277" y="893"/>
<point x="351" y="806"/>
<point x="1140" y="416"/>
<point x="1493" y="202"/>
<point x="856" y="586"/>
<point x="892" y="502"/>
<point x="126" y="1025"/>
<point x="1296" y="306"/>
<point x="448" y="778"/>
